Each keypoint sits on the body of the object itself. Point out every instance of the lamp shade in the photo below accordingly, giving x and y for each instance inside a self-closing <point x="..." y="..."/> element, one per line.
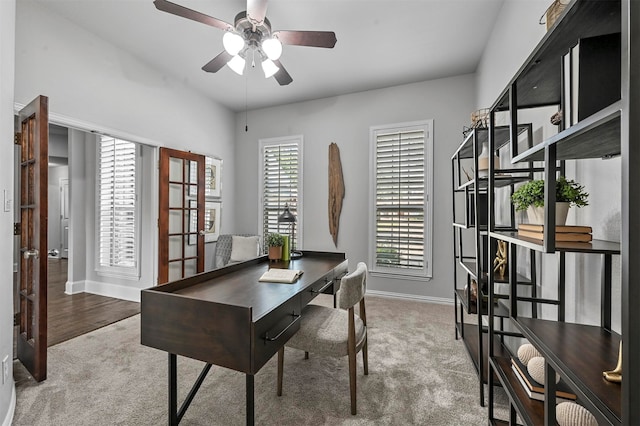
<point x="237" y="64"/>
<point x="286" y="215"/>
<point x="272" y="48"/>
<point x="232" y="42"/>
<point x="269" y="68"/>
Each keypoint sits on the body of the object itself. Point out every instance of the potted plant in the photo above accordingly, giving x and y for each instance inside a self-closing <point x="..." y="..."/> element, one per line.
<point x="275" y="242"/>
<point x="530" y="197"/>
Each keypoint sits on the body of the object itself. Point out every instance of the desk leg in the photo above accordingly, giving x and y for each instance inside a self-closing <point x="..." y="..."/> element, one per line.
<point x="250" y="410"/>
<point x="173" y="390"/>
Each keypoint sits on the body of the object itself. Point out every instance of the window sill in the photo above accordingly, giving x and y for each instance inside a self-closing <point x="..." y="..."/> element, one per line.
<point x="400" y="276"/>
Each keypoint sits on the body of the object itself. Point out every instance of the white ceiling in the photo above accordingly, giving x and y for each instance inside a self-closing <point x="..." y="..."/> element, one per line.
<point x="380" y="43"/>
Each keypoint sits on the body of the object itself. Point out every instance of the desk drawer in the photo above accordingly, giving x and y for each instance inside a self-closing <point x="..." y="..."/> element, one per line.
<point x="328" y="284"/>
<point x="272" y="331"/>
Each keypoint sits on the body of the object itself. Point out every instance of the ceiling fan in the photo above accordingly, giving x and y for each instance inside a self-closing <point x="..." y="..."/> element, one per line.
<point x="251" y="38"/>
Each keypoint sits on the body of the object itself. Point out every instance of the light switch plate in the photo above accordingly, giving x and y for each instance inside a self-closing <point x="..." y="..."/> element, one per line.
<point x="5" y="369"/>
<point x="6" y="200"/>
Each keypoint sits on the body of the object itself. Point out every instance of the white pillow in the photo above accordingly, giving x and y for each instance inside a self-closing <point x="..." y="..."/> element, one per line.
<point x="244" y="248"/>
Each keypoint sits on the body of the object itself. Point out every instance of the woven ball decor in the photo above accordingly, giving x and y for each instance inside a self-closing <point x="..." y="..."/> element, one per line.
<point x="572" y="414"/>
<point x="536" y="369"/>
<point x="526" y="352"/>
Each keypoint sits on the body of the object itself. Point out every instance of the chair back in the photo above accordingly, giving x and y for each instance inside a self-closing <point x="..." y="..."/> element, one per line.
<point x="224" y="245"/>
<point x="352" y="287"/>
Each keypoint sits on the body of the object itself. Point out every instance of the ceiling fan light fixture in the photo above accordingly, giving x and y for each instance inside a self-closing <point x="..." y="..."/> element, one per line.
<point x="272" y="48"/>
<point x="237" y="64"/>
<point x="232" y="42"/>
<point x="269" y="68"/>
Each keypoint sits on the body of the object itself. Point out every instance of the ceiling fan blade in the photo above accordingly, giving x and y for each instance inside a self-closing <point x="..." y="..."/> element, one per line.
<point x="176" y="9"/>
<point x="256" y="10"/>
<point x="307" y="38"/>
<point x="218" y="62"/>
<point x="282" y="76"/>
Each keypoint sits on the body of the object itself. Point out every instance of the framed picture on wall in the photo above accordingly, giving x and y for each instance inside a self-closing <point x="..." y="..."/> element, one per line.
<point x="212" y="215"/>
<point x="213" y="177"/>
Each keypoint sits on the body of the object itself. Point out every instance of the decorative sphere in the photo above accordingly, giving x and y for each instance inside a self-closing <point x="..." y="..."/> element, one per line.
<point x="526" y="352"/>
<point x="572" y="414"/>
<point x="536" y="369"/>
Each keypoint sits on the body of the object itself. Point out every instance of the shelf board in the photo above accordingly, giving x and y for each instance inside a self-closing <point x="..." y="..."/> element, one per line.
<point x="531" y="411"/>
<point x="595" y="246"/>
<point x="502" y="136"/>
<point x="499" y="181"/>
<point x="596" y="136"/>
<point x="470" y="340"/>
<point x="461" y="225"/>
<point x="499" y="311"/>
<point x="470" y="267"/>
<point x="538" y="81"/>
<point x="562" y="344"/>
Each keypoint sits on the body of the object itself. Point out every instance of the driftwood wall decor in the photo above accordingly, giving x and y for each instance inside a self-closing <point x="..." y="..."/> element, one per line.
<point x="336" y="191"/>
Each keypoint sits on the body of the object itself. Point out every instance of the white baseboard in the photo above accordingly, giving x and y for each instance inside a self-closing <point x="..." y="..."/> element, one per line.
<point x="429" y="299"/>
<point x="113" y="290"/>
<point x="131" y="294"/>
<point x="8" y="419"/>
<point x="74" y="287"/>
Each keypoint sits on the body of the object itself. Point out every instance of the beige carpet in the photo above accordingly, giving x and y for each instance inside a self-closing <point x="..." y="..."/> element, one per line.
<point x="418" y="375"/>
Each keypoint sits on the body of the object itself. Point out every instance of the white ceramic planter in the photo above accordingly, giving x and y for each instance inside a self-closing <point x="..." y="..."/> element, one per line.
<point x="536" y="214"/>
<point x="483" y="161"/>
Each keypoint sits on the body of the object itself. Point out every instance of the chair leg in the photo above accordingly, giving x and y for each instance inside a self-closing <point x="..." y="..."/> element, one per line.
<point x="306" y="355"/>
<point x="280" y="368"/>
<point x="352" y="381"/>
<point x="365" y="357"/>
<point x="351" y="349"/>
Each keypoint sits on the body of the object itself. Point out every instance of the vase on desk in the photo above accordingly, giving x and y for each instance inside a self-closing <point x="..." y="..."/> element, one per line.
<point x="286" y="250"/>
<point x="275" y="252"/>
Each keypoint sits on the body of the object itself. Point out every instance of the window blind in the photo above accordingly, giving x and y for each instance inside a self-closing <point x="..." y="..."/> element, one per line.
<point x="280" y="185"/>
<point x="117" y="221"/>
<point x="400" y="199"/>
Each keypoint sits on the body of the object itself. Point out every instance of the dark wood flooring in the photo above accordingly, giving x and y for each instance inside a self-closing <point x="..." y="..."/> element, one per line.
<point x="76" y="314"/>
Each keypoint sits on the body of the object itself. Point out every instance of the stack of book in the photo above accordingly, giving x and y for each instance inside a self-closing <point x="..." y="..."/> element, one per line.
<point x="563" y="233"/>
<point x="534" y="389"/>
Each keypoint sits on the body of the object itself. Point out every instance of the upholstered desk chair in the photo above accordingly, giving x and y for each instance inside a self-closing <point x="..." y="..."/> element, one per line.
<point x="335" y="332"/>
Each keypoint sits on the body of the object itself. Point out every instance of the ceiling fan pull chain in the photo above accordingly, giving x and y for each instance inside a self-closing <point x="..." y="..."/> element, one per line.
<point x="246" y="103"/>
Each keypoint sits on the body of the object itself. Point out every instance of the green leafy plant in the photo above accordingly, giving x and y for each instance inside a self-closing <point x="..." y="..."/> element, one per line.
<point x="532" y="194"/>
<point x="275" y="240"/>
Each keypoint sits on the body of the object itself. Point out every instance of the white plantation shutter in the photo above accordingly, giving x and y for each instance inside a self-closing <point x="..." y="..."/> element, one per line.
<point x="281" y="184"/>
<point x="401" y="231"/>
<point x="117" y="208"/>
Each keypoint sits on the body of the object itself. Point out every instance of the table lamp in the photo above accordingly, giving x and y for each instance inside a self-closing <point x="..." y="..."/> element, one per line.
<point x="290" y="218"/>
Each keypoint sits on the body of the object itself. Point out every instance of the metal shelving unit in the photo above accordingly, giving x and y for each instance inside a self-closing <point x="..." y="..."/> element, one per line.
<point x="470" y="242"/>
<point x="608" y="132"/>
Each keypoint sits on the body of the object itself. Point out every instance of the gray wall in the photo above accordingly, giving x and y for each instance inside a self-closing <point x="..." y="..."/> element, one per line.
<point x="7" y="37"/>
<point x="345" y="120"/>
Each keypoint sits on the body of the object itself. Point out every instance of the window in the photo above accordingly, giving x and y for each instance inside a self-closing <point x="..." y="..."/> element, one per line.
<point x="281" y="185"/>
<point x="401" y="214"/>
<point x="117" y="212"/>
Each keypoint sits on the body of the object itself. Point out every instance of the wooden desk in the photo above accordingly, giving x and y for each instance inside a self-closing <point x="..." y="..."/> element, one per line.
<point x="226" y="317"/>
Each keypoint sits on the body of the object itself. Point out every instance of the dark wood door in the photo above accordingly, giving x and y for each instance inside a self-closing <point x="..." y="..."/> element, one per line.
<point x="33" y="138"/>
<point x="181" y="215"/>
